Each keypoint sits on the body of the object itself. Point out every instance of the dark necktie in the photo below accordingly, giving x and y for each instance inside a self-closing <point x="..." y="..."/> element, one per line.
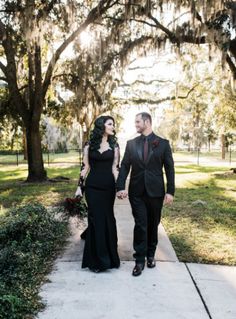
<point x="145" y="149"/>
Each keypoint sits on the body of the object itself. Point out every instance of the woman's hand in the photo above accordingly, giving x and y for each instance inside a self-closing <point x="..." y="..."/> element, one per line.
<point x="78" y="191"/>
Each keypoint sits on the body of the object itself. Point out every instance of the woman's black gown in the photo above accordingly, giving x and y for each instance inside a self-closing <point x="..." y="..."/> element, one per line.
<point x="100" y="250"/>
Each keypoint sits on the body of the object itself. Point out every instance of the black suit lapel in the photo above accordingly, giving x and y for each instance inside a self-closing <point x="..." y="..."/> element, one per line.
<point x="155" y="137"/>
<point x="149" y="155"/>
<point x="139" y="148"/>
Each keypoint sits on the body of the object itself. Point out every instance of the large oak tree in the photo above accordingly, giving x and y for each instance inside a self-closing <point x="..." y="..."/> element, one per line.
<point x="27" y="31"/>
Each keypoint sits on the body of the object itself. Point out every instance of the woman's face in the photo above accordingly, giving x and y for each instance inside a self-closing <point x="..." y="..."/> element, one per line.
<point x="109" y="127"/>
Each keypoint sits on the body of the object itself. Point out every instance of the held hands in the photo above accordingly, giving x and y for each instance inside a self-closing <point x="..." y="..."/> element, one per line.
<point x="78" y="191"/>
<point x="122" y="194"/>
<point x="168" y="200"/>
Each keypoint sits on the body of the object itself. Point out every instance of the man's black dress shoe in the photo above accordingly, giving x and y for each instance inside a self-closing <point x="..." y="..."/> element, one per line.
<point x="151" y="263"/>
<point x="138" y="269"/>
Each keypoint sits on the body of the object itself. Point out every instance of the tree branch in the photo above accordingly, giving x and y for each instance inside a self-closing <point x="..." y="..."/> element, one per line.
<point x="132" y="19"/>
<point x="23" y="87"/>
<point x="140" y="68"/>
<point x="231" y="65"/>
<point x="11" y="74"/>
<point x="95" y="93"/>
<point x="3" y="79"/>
<point x="146" y="82"/>
<point x="149" y="101"/>
<point x="62" y="74"/>
<point x="195" y="12"/>
<point x="189" y="38"/>
<point x="95" y="13"/>
<point x="173" y="21"/>
<point x="3" y="68"/>
<point x="169" y="33"/>
<point x="2" y="31"/>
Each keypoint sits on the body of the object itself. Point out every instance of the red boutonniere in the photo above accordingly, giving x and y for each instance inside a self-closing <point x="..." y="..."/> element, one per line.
<point x="155" y="143"/>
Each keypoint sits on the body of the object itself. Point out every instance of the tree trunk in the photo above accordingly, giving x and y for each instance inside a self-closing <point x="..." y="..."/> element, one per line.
<point x="189" y="147"/>
<point x="209" y="145"/>
<point x="85" y="137"/>
<point x="12" y="142"/>
<point x="24" y="144"/>
<point x="36" y="171"/>
<point x="223" y="146"/>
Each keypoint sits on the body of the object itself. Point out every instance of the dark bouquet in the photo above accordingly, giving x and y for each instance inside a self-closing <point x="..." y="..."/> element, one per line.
<point x="76" y="206"/>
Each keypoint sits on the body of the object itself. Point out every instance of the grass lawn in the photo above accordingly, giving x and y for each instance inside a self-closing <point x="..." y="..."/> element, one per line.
<point x="70" y="157"/>
<point x="14" y="191"/>
<point x="199" y="233"/>
<point x="206" y="158"/>
<point x="204" y="232"/>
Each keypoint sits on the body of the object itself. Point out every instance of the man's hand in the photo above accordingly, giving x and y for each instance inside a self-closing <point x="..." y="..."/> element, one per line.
<point x="78" y="191"/>
<point x="122" y="194"/>
<point x="168" y="200"/>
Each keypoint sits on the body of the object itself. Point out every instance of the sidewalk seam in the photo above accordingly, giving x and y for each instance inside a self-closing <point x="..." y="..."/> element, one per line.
<point x="199" y="292"/>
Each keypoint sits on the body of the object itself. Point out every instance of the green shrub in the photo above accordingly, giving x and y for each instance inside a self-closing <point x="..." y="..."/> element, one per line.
<point x="30" y="238"/>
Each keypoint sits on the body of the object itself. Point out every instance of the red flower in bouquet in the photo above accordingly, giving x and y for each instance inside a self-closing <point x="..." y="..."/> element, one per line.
<point x="75" y="206"/>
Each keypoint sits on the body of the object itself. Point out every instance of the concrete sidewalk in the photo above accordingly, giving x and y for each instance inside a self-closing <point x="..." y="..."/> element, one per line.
<point x="172" y="290"/>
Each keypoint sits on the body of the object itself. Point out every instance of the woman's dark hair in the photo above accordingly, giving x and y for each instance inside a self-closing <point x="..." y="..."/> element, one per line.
<point x="96" y="134"/>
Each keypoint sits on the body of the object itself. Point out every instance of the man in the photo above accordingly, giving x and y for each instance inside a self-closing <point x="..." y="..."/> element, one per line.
<point x="146" y="155"/>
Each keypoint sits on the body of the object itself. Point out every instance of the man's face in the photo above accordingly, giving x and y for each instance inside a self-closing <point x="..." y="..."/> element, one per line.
<point x="140" y="124"/>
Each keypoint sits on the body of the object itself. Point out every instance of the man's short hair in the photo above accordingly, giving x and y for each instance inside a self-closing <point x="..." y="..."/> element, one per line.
<point x="145" y="116"/>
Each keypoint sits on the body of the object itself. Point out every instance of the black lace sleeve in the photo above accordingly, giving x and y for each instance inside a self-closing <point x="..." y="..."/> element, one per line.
<point x="81" y="180"/>
<point x="118" y="159"/>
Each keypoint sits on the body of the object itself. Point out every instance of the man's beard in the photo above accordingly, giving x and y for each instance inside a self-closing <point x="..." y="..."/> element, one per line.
<point x="140" y="130"/>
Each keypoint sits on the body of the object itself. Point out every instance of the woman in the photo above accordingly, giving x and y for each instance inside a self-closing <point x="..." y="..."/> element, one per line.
<point x="101" y="161"/>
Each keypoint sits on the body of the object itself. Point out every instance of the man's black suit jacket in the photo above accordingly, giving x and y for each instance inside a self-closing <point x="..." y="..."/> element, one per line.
<point x="147" y="175"/>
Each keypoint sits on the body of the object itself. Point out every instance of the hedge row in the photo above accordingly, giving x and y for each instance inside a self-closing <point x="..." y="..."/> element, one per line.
<point x="30" y="239"/>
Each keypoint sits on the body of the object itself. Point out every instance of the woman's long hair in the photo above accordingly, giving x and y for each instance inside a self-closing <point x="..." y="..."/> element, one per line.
<point x="96" y="134"/>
